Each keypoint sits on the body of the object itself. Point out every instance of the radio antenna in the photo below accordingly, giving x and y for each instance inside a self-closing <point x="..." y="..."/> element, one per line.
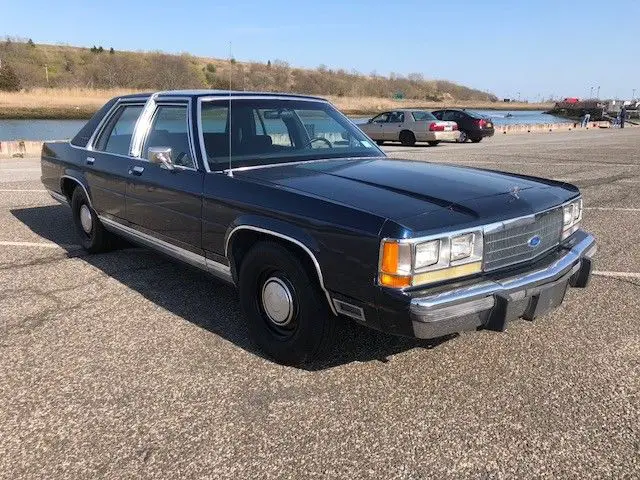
<point x="229" y="115"/>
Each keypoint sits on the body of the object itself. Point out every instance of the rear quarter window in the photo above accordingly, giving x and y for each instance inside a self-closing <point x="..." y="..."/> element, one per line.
<point x="82" y="137"/>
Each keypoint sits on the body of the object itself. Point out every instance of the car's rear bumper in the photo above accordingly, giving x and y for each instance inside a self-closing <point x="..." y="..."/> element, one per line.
<point x="450" y="136"/>
<point x="494" y="302"/>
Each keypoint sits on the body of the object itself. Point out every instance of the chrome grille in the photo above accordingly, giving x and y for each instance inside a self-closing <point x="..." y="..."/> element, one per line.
<point x="511" y="245"/>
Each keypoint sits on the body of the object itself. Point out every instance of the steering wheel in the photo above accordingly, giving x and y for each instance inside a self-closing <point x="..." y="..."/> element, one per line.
<point x="320" y="139"/>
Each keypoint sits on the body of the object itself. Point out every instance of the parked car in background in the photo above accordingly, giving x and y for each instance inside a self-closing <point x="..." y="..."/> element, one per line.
<point x="472" y="126"/>
<point x="283" y="197"/>
<point x="410" y="126"/>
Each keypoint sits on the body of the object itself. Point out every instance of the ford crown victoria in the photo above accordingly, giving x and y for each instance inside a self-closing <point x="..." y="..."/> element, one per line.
<point x="284" y="197"/>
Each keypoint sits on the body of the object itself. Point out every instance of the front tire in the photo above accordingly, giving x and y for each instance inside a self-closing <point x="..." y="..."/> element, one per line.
<point x="287" y="314"/>
<point x="463" y="137"/>
<point x="92" y="234"/>
<point x="407" y="138"/>
<point x="476" y="139"/>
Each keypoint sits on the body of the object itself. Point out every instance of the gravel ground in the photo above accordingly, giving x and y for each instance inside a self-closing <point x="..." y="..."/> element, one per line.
<point x="129" y="365"/>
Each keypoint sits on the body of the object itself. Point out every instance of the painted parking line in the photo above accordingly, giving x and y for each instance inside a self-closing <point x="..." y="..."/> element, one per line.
<point x="21" y="190"/>
<point x="604" y="273"/>
<point x="613" y="209"/>
<point x="5" y="243"/>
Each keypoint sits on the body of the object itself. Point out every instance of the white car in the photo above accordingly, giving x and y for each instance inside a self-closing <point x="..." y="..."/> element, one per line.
<point x="410" y="126"/>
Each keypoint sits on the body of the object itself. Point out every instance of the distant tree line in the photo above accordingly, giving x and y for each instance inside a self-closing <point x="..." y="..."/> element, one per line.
<point x="92" y="68"/>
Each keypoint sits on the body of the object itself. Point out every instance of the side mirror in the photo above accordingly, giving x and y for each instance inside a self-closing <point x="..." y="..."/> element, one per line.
<point x="161" y="156"/>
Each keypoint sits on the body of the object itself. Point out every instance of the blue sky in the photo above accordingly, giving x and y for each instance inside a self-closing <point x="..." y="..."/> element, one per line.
<point x="541" y="47"/>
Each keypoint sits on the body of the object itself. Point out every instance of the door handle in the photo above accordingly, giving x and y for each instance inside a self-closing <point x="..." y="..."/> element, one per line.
<point x="91" y="160"/>
<point x="136" y="171"/>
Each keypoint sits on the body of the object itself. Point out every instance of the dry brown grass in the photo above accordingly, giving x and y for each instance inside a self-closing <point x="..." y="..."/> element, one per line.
<point x="82" y="103"/>
<point x="369" y="105"/>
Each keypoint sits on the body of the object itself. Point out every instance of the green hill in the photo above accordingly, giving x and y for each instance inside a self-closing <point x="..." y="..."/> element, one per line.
<point x="37" y="65"/>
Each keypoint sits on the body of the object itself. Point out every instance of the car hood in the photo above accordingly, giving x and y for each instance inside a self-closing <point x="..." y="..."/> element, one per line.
<point x="418" y="195"/>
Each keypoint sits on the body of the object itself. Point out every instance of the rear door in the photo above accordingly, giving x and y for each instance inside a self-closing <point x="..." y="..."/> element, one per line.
<point x="167" y="203"/>
<point x="393" y="127"/>
<point x="107" y="160"/>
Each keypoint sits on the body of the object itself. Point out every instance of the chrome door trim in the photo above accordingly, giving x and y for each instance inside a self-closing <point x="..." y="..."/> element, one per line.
<point x="219" y="270"/>
<point x="289" y="239"/>
<point x="59" y="197"/>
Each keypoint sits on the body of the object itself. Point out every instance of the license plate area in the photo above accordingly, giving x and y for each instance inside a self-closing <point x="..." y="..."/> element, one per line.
<point x="511" y="307"/>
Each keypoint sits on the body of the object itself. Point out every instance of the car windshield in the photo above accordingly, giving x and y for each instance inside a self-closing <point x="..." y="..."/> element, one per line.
<point x="422" y="116"/>
<point x="267" y="131"/>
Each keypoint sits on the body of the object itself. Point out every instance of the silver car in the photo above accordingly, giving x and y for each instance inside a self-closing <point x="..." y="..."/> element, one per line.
<point x="409" y="126"/>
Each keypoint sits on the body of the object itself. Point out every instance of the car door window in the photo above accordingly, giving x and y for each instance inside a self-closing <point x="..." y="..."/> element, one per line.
<point x="449" y="116"/>
<point x="382" y="118"/>
<point x="396" y="117"/>
<point x="116" y="136"/>
<point x="170" y="128"/>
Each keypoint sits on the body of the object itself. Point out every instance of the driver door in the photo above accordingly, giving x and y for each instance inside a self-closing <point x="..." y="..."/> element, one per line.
<point x="375" y="129"/>
<point x="167" y="201"/>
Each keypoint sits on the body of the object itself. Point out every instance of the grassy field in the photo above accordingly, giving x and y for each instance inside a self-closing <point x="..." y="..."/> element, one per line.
<point x="78" y="103"/>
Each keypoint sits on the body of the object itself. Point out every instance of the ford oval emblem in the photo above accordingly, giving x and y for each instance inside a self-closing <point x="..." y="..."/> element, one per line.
<point x="534" y="241"/>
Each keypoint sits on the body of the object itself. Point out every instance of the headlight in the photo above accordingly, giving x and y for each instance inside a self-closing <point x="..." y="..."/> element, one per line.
<point x="571" y="217"/>
<point x="410" y="262"/>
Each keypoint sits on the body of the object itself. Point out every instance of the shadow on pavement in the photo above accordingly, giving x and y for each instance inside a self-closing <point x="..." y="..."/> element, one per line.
<point x="201" y="299"/>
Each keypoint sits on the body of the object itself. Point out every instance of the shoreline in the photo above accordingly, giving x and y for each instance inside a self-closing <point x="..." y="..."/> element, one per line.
<point x="81" y="104"/>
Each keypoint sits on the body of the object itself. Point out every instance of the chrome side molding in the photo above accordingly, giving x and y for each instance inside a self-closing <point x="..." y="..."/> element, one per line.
<point x="292" y="240"/>
<point x="59" y="197"/>
<point x="219" y="270"/>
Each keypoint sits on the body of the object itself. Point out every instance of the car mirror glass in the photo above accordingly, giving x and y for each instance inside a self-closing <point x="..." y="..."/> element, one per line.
<point x="161" y="156"/>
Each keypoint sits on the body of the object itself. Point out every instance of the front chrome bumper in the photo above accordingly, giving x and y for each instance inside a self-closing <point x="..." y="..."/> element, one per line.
<point x="492" y="303"/>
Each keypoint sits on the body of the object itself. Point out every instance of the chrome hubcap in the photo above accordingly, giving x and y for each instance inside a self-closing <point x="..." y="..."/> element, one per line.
<point x="277" y="301"/>
<point x="85" y="219"/>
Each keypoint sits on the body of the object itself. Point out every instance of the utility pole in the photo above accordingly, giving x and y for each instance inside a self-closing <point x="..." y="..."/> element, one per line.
<point x="591" y="93"/>
<point x="633" y="95"/>
<point x="598" y="95"/>
<point x="46" y="73"/>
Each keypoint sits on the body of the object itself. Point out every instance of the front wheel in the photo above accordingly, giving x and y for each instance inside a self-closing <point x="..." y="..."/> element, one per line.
<point x="434" y="143"/>
<point x="463" y="137"/>
<point x="287" y="315"/>
<point x="93" y="236"/>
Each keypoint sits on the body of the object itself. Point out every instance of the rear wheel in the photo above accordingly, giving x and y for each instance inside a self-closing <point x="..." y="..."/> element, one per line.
<point x="476" y="139"/>
<point x="434" y="143"/>
<point x="407" y="138"/>
<point x="93" y="236"/>
<point x="287" y="314"/>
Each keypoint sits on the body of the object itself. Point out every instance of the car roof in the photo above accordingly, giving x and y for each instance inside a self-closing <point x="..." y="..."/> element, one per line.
<point x="235" y="93"/>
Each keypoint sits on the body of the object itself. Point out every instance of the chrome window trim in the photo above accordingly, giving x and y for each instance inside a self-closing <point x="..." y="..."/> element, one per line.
<point x="105" y="120"/>
<point x="289" y="239"/>
<point x="142" y="127"/>
<point x="174" y="102"/>
<point x="222" y="98"/>
<point x="219" y="270"/>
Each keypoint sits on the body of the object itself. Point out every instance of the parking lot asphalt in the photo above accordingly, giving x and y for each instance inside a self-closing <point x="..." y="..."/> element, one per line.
<point x="128" y="365"/>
